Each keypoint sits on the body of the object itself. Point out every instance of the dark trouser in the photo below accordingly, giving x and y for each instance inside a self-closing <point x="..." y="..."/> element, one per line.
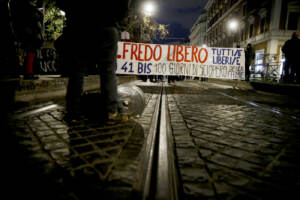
<point x="294" y="75"/>
<point x="297" y="72"/>
<point x="100" y="49"/>
<point x="247" y="72"/>
<point x="288" y="72"/>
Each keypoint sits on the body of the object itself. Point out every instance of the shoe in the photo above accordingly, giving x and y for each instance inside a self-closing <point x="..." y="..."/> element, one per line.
<point x="117" y="117"/>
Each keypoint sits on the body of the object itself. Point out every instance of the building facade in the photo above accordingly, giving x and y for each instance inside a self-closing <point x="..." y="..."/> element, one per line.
<point x="266" y="24"/>
<point x="198" y="31"/>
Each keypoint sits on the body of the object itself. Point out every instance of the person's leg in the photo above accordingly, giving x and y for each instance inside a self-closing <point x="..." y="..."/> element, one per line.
<point x="75" y="88"/>
<point x="297" y="72"/>
<point x="107" y="61"/>
<point x="293" y="71"/>
<point x="247" y="73"/>
<point x="287" y="71"/>
<point x="284" y="71"/>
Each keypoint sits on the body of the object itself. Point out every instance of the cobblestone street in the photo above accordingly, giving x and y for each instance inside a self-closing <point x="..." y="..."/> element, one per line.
<point x="150" y="99"/>
<point x="228" y="144"/>
<point x="57" y="160"/>
<point x="230" y="148"/>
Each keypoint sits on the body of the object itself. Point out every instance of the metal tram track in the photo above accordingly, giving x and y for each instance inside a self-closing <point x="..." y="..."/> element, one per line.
<point x="158" y="175"/>
<point x="159" y="179"/>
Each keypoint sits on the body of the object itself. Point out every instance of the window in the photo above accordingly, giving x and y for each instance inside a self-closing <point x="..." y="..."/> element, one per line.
<point x="293" y="20"/>
<point x="251" y="20"/>
<point x="259" y="57"/>
<point x="262" y="25"/>
<point x="293" y="15"/>
<point x="251" y="29"/>
<point x="259" y="61"/>
<point x="242" y="34"/>
<point x="244" y="9"/>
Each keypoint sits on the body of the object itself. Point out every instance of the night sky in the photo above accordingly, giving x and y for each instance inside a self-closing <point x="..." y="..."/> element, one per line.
<point x="180" y="15"/>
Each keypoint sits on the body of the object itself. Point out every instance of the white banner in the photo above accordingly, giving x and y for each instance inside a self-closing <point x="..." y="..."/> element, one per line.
<point x="157" y="59"/>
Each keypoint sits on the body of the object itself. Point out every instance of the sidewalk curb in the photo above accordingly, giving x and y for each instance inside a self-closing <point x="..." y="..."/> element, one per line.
<point x="233" y="83"/>
<point x="292" y="90"/>
<point x="46" y="88"/>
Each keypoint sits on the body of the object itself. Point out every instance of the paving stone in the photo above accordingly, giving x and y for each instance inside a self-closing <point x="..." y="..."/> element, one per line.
<point x="235" y="179"/>
<point x="29" y="142"/>
<point x="209" y="145"/>
<point x="225" y="191"/>
<point x="194" y="175"/>
<point x="205" y="153"/>
<point x="60" y="154"/>
<point x="40" y="156"/>
<point x="249" y="168"/>
<point x="49" y="138"/>
<point x="258" y="159"/>
<point x="41" y="128"/>
<point x="45" y="133"/>
<point x="205" y="136"/>
<point x="235" y="153"/>
<point x="200" y="191"/>
<point x="246" y="146"/>
<point x="191" y="159"/>
<point x="184" y="141"/>
<point x="58" y="126"/>
<point x="56" y="145"/>
<point x="224" y="160"/>
<point x="177" y="132"/>
<point x="239" y="143"/>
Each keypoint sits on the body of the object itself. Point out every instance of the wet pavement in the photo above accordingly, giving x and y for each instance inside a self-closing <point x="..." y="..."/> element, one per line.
<point x="50" y="158"/>
<point x="234" y="144"/>
<point x="228" y="144"/>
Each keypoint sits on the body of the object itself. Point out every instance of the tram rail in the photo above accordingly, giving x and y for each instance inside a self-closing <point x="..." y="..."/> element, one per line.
<point x="159" y="179"/>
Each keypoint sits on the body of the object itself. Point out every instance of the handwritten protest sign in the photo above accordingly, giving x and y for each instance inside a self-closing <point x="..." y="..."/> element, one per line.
<point x="156" y="59"/>
<point x="45" y="62"/>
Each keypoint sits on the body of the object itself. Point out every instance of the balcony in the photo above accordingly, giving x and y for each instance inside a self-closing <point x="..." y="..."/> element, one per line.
<point x="263" y="37"/>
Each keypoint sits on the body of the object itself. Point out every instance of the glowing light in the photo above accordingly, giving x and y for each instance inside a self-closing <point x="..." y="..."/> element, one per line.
<point x="62" y="13"/>
<point x="233" y="24"/>
<point x="149" y="8"/>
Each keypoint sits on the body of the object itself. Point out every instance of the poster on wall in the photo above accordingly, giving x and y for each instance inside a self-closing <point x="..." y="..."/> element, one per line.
<point x="181" y="60"/>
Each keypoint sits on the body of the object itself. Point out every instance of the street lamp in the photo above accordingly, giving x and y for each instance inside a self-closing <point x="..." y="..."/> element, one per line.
<point x="233" y="27"/>
<point x="62" y="13"/>
<point x="149" y="8"/>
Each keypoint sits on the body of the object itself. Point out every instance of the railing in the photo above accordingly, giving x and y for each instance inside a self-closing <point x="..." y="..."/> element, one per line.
<point x="270" y="69"/>
<point x="266" y="72"/>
